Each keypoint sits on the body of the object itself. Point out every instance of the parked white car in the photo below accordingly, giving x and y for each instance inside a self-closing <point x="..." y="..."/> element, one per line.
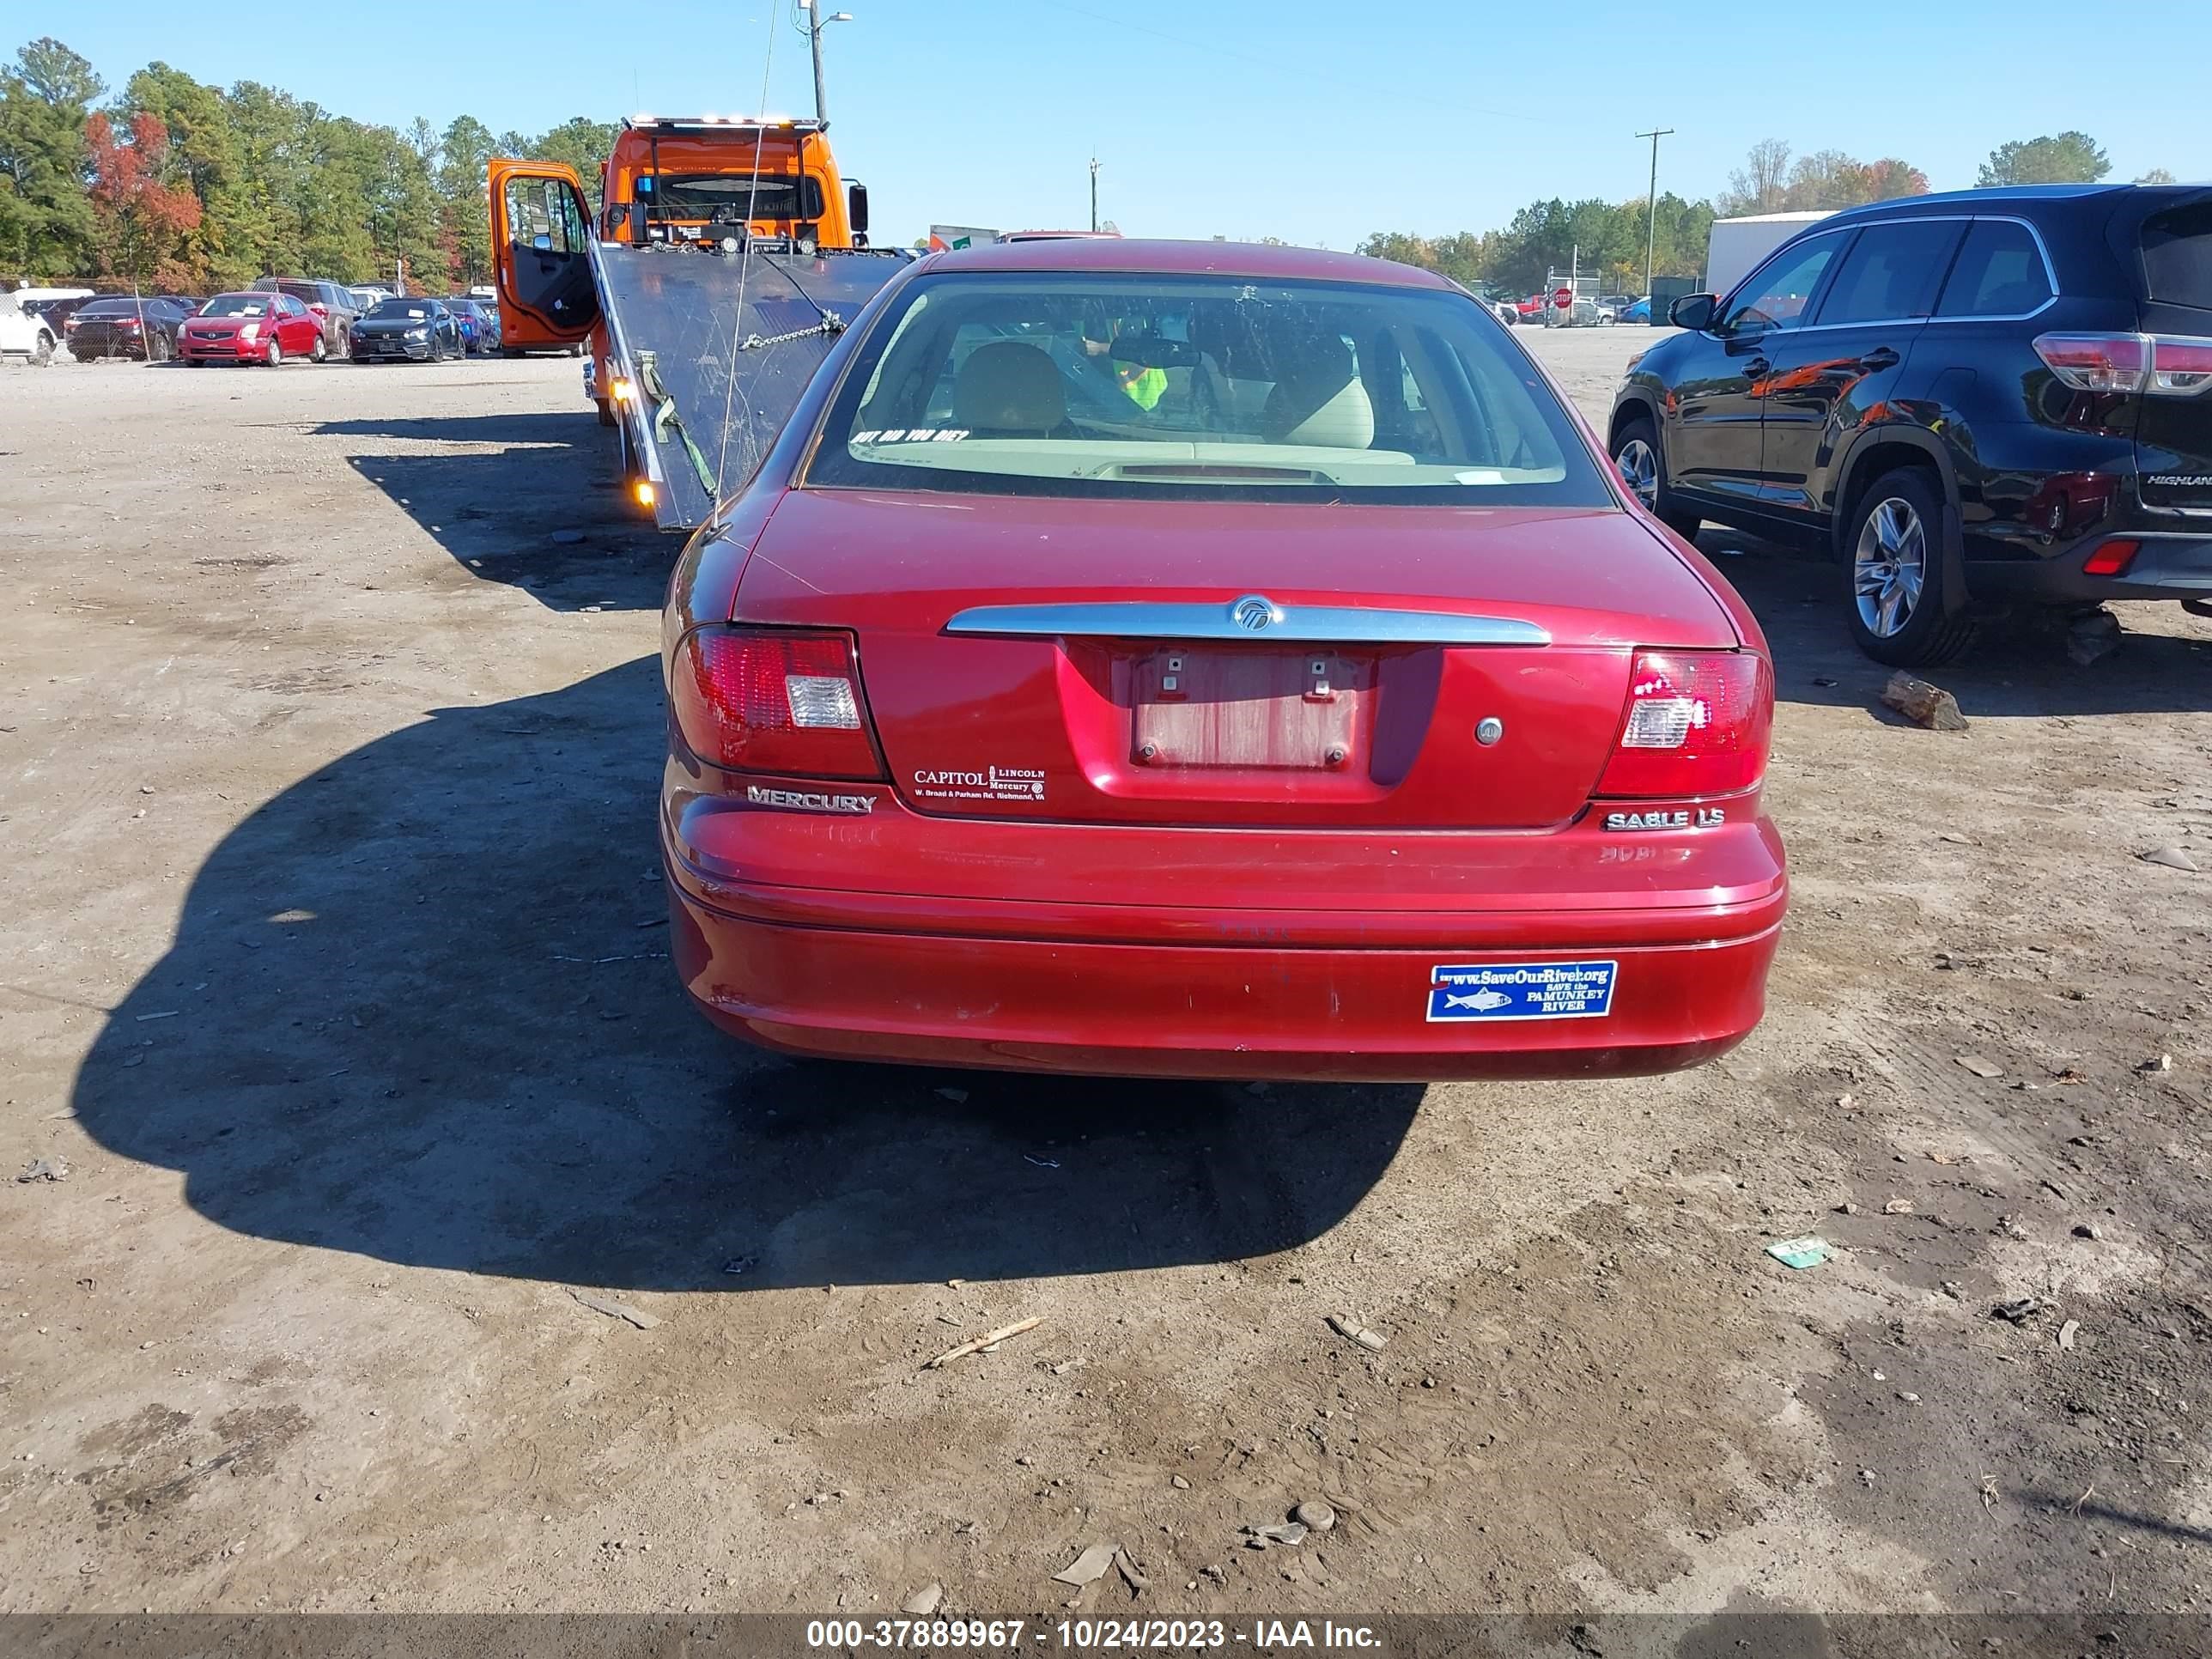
<point x="24" y="333"/>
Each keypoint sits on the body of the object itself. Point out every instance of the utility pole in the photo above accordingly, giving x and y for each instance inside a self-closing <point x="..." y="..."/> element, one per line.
<point x="1094" y="193"/>
<point x="1651" y="206"/>
<point x="813" y="22"/>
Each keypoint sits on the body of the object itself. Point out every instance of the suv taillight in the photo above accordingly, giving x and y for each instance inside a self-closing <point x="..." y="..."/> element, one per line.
<point x="2164" y="365"/>
<point x="767" y="700"/>
<point x="1697" y="723"/>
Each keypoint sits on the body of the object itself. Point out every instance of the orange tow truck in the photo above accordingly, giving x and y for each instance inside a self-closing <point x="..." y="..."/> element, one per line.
<point x="705" y="225"/>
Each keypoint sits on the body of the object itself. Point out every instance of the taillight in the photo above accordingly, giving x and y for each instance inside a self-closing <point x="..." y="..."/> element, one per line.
<point x="1697" y="723"/>
<point x="764" y="700"/>
<point x="2162" y="365"/>
<point x="2182" y="365"/>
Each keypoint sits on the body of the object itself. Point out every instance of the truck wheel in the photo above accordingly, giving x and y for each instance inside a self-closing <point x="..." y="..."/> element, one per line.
<point x="1898" y="612"/>
<point x="1636" y="455"/>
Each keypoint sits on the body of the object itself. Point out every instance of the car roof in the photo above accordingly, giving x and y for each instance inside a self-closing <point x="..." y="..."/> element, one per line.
<point x="1998" y="196"/>
<point x="1175" y="258"/>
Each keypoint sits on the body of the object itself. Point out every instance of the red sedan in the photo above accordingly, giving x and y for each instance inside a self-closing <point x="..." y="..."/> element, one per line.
<point x="1210" y="661"/>
<point x="251" y="328"/>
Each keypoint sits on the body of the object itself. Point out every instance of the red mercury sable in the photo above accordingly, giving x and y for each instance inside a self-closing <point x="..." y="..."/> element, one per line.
<point x="1210" y="661"/>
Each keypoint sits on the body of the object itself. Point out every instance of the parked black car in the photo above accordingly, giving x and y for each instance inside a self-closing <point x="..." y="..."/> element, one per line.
<point x="120" y="326"/>
<point x="1985" y="395"/>
<point x="398" y="330"/>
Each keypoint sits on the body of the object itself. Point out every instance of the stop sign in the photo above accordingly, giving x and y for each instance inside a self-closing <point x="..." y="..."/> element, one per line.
<point x="1563" y="297"/>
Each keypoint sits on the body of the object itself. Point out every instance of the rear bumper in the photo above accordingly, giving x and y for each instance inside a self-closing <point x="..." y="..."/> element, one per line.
<point x="971" y="983"/>
<point x="2169" y="566"/>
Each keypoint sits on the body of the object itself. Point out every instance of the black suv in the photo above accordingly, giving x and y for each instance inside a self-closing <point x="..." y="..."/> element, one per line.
<point x="1995" y="393"/>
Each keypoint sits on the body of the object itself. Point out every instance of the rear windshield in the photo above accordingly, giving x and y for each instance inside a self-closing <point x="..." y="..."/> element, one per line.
<point x="110" y="308"/>
<point x="411" y="310"/>
<point x="2177" y="255"/>
<point x="1088" y="384"/>
<point x="238" y="304"/>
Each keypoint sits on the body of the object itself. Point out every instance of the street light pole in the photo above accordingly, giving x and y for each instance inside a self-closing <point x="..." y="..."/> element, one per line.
<point x="1651" y="207"/>
<point x="1094" y="193"/>
<point x="814" y="23"/>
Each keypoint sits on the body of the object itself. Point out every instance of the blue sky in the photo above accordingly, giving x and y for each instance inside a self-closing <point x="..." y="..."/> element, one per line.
<point x="1250" y="118"/>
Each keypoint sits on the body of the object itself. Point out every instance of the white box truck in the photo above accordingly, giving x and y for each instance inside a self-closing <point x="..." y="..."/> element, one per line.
<point x="1738" y="245"/>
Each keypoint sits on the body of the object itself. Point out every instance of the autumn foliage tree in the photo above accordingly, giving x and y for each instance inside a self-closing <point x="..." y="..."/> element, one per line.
<point x="143" y="220"/>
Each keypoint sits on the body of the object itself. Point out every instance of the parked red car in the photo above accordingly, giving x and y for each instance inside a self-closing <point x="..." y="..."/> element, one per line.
<point x="251" y="328"/>
<point x="1210" y="661"/>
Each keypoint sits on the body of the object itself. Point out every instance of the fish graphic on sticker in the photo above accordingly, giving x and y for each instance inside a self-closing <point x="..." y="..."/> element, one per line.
<point x="1480" y="1001"/>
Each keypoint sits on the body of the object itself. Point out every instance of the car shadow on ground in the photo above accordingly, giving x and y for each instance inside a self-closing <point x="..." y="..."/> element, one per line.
<point x="418" y="1008"/>
<point x="2017" y="666"/>
<point x="535" y="503"/>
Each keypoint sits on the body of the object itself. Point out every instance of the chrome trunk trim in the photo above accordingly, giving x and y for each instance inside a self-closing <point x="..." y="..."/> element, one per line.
<point x="1253" y="618"/>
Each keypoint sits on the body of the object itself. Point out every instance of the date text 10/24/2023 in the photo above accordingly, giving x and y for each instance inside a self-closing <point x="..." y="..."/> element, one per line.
<point x="1089" y="1635"/>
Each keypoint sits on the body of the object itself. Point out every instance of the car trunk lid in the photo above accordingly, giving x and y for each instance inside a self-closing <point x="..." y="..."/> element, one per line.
<point x="1222" y="663"/>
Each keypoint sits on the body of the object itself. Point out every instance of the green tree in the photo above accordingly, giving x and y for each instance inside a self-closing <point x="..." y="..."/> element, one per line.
<point x="267" y="233"/>
<point x="2155" y="176"/>
<point x="47" y="224"/>
<point x="583" y="144"/>
<point x="463" y="150"/>
<point x="2068" y="158"/>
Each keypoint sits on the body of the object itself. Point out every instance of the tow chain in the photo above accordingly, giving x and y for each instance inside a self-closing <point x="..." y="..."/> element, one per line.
<point x="831" y="323"/>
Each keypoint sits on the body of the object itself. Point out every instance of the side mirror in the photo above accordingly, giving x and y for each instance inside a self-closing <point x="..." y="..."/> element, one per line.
<point x="1693" y="311"/>
<point x="856" y="208"/>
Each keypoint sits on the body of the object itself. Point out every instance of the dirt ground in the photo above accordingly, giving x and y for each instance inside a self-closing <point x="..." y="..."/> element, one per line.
<point x="332" y="967"/>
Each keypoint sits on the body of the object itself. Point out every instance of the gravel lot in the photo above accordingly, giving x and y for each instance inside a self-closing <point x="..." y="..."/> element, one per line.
<point x="331" y="966"/>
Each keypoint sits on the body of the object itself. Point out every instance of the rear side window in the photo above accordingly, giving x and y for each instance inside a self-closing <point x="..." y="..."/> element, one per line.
<point x="2177" y="256"/>
<point x="1891" y="272"/>
<point x="1999" y="273"/>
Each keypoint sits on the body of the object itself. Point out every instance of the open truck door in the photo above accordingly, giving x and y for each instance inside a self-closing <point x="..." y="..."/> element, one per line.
<point x="540" y="227"/>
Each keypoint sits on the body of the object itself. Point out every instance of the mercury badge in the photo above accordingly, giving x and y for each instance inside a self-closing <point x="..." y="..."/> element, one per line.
<point x="1255" y="613"/>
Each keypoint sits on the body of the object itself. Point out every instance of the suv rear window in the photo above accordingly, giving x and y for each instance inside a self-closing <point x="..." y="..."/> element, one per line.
<point x="1999" y="273"/>
<point x="2177" y="256"/>
<point x="1183" y="385"/>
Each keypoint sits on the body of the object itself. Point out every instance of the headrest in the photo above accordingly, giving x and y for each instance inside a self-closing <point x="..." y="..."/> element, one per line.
<point x="1009" y="387"/>
<point x="1319" y="400"/>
